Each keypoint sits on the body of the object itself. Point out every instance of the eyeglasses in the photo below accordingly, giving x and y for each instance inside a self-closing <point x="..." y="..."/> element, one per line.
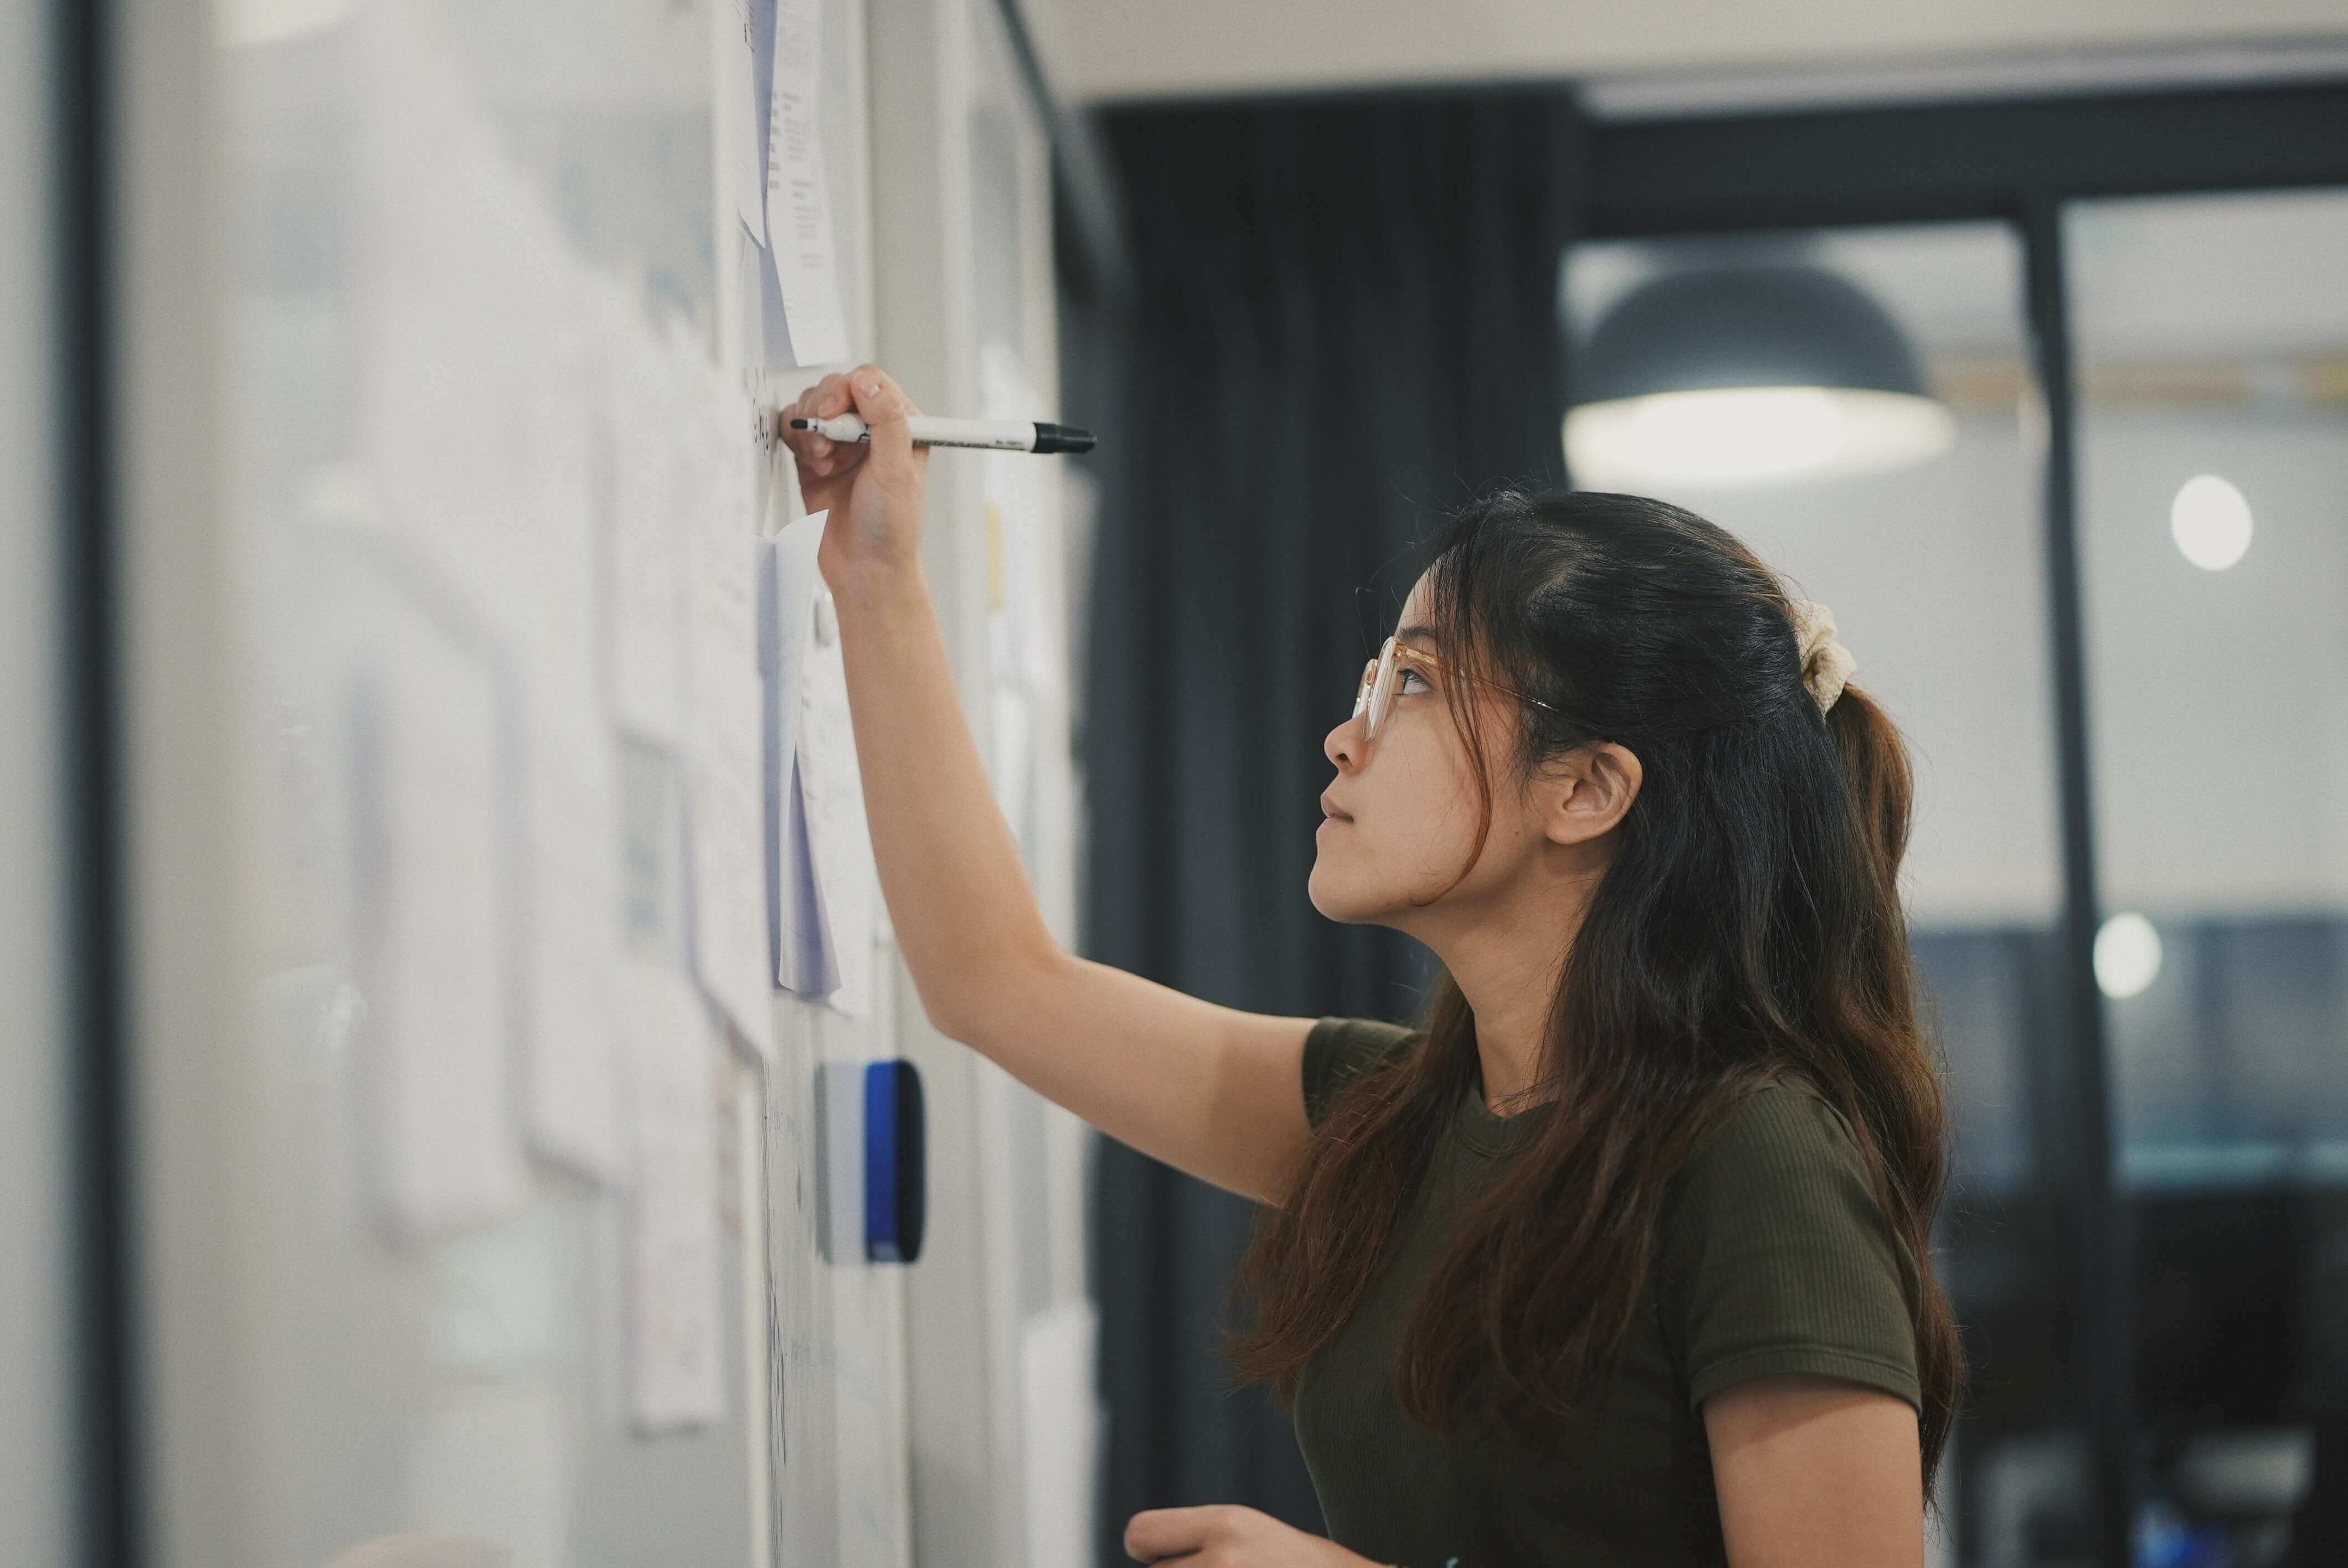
<point x="1382" y="677"/>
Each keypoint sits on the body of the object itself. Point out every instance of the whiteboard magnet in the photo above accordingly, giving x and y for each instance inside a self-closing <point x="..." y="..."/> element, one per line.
<point x="871" y="1159"/>
<point x="895" y="1161"/>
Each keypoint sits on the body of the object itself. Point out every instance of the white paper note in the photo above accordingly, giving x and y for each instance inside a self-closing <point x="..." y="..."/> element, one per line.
<point x="646" y="583"/>
<point x="483" y="379"/>
<point x="1021" y="666"/>
<point x="747" y="158"/>
<point x="787" y="582"/>
<point x="823" y="895"/>
<point x="725" y="825"/>
<point x="804" y="964"/>
<point x="475" y="325"/>
<point x="676" y="1321"/>
<point x="798" y="200"/>
<point x="572" y="913"/>
<point x="485" y="1463"/>
<point x="832" y="791"/>
<point x="573" y="931"/>
<point x="721" y="531"/>
<point x="725" y="822"/>
<point x="433" y="921"/>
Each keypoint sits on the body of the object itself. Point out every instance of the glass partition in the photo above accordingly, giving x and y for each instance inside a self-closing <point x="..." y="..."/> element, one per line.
<point x="1933" y="567"/>
<point x="2212" y="346"/>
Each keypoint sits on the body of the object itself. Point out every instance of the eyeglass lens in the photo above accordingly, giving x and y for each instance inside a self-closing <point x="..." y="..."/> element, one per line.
<point x="1377" y="693"/>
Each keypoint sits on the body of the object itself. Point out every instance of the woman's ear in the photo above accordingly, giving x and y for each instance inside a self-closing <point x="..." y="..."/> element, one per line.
<point x="1593" y="790"/>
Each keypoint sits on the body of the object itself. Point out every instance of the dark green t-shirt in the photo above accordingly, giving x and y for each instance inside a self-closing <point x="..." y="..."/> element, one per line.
<point x="1774" y="1259"/>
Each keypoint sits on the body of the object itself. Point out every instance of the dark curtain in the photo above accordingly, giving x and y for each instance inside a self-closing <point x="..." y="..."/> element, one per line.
<point x="1345" y="321"/>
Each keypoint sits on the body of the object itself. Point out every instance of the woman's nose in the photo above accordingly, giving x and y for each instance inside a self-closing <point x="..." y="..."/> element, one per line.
<point x="1342" y="745"/>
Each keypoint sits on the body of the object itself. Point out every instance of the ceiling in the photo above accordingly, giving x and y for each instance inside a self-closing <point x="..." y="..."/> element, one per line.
<point x="1678" y="55"/>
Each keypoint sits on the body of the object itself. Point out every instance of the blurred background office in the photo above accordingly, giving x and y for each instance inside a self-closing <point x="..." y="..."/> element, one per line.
<point x="2015" y="336"/>
<point x="2014" y="332"/>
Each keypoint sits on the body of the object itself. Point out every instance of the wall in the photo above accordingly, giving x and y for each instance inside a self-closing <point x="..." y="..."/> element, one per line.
<point x="36" y="1436"/>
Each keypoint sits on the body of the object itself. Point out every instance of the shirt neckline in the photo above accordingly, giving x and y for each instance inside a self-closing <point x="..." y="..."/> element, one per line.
<point x="1485" y="1132"/>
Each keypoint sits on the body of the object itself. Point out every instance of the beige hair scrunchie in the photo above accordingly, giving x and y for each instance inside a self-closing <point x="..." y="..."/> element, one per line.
<point x="1827" y="665"/>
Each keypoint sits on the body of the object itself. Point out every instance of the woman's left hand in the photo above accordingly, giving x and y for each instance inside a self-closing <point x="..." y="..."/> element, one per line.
<point x="1225" y="1535"/>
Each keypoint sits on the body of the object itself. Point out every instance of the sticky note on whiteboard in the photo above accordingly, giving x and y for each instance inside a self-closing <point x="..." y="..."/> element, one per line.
<point x="433" y="909"/>
<point x="787" y="585"/>
<point x="798" y="228"/>
<point x="675" y="1319"/>
<point x="822" y="893"/>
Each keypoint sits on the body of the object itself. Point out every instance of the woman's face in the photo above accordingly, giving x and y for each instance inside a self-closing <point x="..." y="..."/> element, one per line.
<point x="1399" y="821"/>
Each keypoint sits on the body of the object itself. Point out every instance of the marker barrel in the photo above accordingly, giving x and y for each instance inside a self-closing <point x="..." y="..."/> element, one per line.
<point x="985" y="435"/>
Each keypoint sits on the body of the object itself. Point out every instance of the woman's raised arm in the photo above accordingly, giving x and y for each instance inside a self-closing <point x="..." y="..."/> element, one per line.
<point x="1209" y="1090"/>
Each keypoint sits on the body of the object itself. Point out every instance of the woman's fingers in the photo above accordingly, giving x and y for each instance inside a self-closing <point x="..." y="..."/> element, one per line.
<point x="817" y="454"/>
<point x="1158" y="1534"/>
<point x="885" y="409"/>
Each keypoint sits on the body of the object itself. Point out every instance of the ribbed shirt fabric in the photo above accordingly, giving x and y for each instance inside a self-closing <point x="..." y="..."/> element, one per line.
<point x="1773" y="1257"/>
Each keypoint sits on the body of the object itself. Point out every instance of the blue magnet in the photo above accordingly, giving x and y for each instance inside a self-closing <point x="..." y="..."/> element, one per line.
<point x="895" y="1163"/>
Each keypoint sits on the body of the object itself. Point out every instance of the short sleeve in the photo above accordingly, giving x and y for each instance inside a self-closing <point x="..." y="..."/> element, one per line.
<point x="1343" y="1051"/>
<point x="1775" y="1259"/>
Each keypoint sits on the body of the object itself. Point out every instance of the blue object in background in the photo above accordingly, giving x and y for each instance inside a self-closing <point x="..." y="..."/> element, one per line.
<point x="2165" y="1540"/>
<point x="895" y="1163"/>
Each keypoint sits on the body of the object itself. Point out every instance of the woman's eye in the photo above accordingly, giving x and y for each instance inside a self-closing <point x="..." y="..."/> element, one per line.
<point x="1405" y="676"/>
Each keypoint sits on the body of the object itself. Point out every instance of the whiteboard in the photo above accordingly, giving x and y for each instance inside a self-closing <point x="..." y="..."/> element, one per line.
<point x="472" y="1380"/>
<point x="319" y="1385"/>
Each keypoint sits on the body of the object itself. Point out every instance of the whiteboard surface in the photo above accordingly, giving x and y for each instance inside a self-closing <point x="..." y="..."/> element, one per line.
<point x="473" y="1378"/>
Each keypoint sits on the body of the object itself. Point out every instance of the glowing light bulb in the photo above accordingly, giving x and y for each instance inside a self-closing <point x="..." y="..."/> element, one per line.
<point x="1735" y="436"/>
<point x="2127" y="955"/>
<point x="2210" y="521"/>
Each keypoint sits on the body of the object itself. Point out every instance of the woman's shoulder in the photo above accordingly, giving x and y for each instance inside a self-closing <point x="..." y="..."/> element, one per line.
<point x="1775" y="1254"/>
<point x="1783" y="1162"/>
<point x="1343" y="1051"/>
<point x="1782" y="1145"/>
<point x="1781" y="1158"/>
<point x="1785" y="1117"/>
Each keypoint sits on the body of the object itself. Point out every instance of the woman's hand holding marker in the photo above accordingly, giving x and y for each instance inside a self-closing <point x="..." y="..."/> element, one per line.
<point x="873" y="491"/>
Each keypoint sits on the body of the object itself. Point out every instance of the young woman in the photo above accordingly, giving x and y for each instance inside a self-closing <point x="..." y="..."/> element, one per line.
<point x="1623" y="1257"/>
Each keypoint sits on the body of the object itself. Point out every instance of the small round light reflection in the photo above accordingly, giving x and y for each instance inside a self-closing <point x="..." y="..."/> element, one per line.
<point x="2127" y="955"/>
<point x="2210" y="521"/>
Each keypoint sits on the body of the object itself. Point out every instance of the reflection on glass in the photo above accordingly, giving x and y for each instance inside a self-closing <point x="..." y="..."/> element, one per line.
<point x="1933" y="572"/>
<point x="2212" y="341"/>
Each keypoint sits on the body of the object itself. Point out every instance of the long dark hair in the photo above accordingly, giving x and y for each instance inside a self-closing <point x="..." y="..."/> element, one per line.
<point x="1749" y="925"/>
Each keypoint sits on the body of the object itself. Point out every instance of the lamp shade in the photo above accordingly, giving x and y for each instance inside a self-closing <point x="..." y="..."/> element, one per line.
<point x="1748" y="375"/>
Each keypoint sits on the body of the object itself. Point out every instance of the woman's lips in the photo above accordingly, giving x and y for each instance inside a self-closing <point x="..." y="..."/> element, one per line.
<point x="1329" y="810"/>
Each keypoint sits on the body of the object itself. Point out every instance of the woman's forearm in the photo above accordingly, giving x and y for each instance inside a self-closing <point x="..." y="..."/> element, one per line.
<point x="965" y="917"/>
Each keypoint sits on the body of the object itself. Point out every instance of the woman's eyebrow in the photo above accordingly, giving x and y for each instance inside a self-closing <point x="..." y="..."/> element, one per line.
<point x="1426" y="634"/>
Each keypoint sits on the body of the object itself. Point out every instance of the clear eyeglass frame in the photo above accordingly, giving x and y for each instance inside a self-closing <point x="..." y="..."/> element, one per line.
<point x="1381" y="676"/>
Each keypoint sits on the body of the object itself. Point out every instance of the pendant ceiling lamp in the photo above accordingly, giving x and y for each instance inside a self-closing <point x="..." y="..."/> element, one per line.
<point x="1742" y="376"/>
